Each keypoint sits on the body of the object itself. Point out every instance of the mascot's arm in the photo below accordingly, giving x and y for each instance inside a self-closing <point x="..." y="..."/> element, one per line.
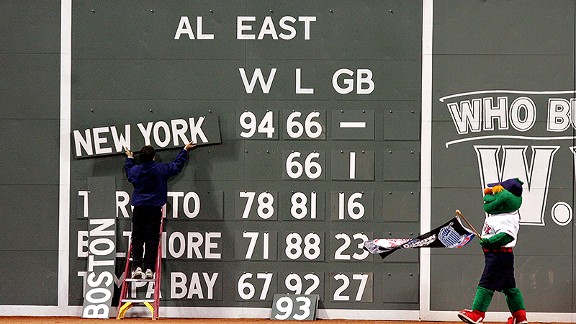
<point x="497" y="240"/>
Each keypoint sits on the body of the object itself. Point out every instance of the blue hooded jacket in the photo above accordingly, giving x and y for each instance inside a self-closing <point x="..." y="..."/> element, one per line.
<point x="150" y="180"/>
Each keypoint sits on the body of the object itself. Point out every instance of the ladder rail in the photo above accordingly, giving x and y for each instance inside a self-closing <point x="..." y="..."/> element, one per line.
<point x="124" y="288"/>
<point x="158" y="269"/>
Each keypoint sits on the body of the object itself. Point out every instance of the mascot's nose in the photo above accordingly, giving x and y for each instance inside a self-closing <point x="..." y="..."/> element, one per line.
<point x="487" y="191"/>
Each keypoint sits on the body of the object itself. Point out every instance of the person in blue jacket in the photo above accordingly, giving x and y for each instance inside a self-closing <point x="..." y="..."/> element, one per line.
<point x="150" y="182"/>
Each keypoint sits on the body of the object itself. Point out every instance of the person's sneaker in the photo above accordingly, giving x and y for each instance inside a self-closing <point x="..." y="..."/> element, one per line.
<point x="471" y="316"/>
<point x="149" y="274"/>
<point x="137" y="274"/>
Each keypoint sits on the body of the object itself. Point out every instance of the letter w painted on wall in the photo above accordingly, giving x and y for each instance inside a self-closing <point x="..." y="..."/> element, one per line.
<point x="514" y="164"/>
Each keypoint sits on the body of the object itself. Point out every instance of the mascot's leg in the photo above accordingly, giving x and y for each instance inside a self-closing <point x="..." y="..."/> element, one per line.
<point x="479" y="306"/>
<point x="515" y="303"/>
<point x="482" y="299"/>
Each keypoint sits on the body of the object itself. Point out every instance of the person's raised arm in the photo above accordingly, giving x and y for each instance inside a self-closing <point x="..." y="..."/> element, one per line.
<point x="176" y="166"/>
<point x="129" y="161"/>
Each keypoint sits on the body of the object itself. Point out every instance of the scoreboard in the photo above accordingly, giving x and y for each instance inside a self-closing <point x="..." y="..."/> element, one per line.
<point x="315" y="107"/>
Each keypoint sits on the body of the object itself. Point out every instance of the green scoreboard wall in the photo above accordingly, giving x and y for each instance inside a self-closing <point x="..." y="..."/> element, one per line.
<point x="516" y="78"/>
<point x="318" y="106"/>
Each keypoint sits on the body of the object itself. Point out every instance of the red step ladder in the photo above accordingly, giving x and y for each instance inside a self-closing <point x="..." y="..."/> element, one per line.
<point x="153" y="304"/>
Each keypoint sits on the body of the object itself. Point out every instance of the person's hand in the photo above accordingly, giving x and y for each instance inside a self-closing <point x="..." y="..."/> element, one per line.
<point x="485" y="243"/>
<point x="189" y="146"/>
<point x="129" y="153"/>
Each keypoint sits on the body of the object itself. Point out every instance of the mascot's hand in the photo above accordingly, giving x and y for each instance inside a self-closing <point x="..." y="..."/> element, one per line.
<point x="485" y="242"/>
<point x="497" y="240"/>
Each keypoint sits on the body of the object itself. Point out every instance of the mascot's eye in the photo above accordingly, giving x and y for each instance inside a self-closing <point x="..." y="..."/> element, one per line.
<point x="497" y="189"/>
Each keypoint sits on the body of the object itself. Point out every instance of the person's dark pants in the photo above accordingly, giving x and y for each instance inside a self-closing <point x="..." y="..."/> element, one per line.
<point x="145" y="233"/>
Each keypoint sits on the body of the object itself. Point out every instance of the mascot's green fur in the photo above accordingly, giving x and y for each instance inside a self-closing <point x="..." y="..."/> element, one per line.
<point x="501" y="202"/>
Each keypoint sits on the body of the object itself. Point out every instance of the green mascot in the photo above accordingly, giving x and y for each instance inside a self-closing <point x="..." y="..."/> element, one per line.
<point x="501" y="202"/>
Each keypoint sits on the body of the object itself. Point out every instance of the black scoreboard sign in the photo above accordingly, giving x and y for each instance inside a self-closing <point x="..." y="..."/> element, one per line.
<point x="314" y="112"/>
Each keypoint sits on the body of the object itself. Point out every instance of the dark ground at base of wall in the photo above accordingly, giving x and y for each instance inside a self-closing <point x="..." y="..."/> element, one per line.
<point x="77" y="320"/>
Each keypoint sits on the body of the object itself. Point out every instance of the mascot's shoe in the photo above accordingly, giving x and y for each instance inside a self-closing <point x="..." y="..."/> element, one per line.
<point x="471" y="316"/>
<point x="518" y="317"/>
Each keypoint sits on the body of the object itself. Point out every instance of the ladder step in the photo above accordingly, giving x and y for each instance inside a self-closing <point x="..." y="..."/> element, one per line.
<point x="139" y="280"/>
<point x="129" y="300"/>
